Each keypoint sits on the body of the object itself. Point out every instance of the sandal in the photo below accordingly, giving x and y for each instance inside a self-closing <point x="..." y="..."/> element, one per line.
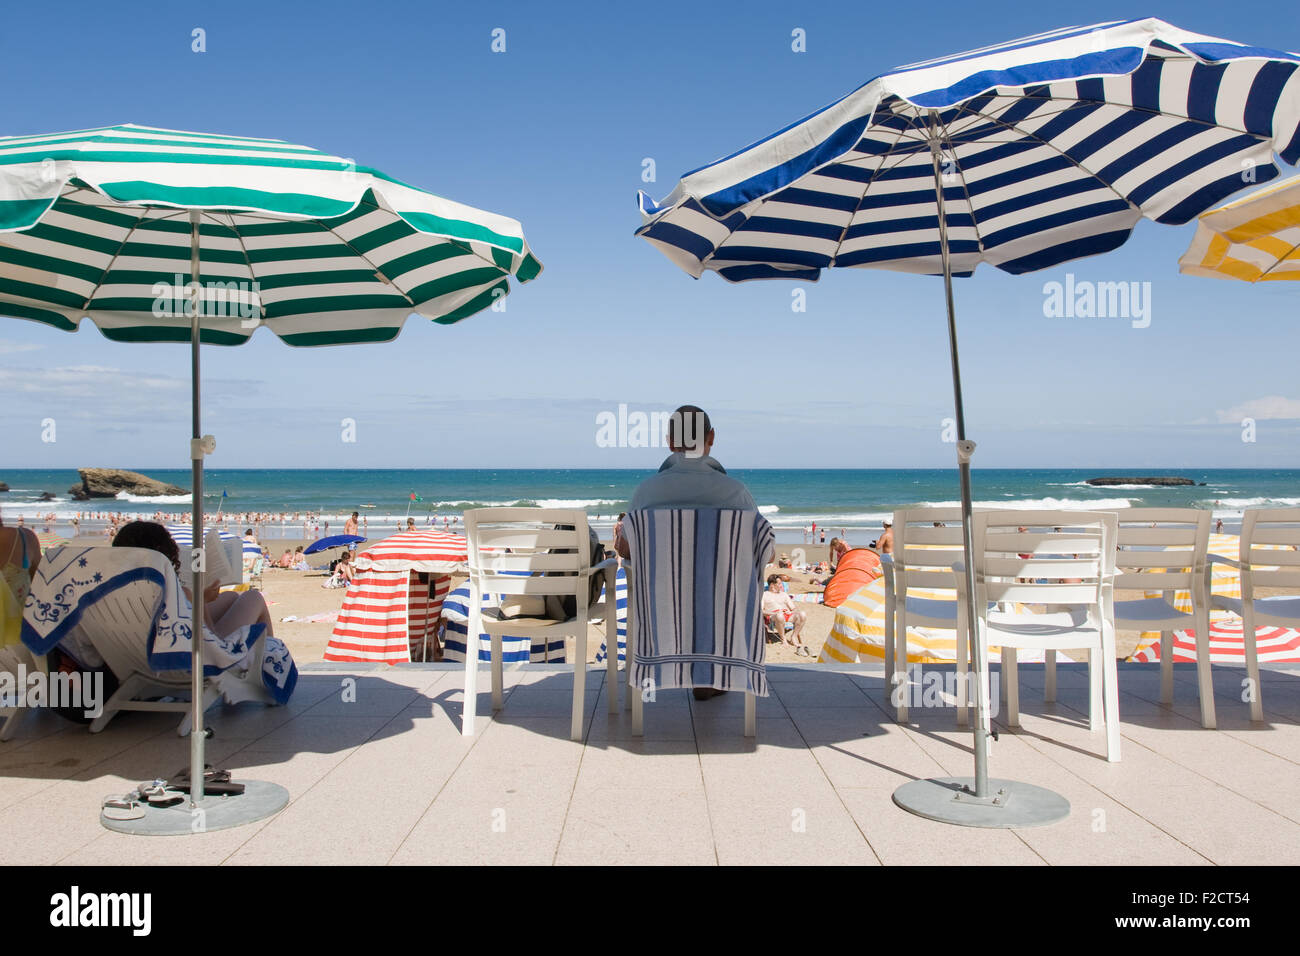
<point x="121" y="808"/>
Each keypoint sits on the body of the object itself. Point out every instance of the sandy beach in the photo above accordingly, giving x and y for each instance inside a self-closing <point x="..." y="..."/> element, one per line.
<point x="299" y="595"/>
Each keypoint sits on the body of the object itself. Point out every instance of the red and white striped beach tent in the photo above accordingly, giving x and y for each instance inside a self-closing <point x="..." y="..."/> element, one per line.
<point x="1276" y="645"/>
<point x="387" y="607"/>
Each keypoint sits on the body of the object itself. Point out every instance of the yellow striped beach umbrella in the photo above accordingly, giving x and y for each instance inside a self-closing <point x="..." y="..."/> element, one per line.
<point x="858" y="633"/>
<point x="1256" y="239"/>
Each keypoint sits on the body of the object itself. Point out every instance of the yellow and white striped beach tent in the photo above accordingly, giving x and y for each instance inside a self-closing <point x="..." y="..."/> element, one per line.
<point x="1256" y="239"/>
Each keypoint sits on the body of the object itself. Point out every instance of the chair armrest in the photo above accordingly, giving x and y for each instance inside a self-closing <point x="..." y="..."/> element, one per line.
<point x="1213" y="559"/>
<point x="607" y="563"/>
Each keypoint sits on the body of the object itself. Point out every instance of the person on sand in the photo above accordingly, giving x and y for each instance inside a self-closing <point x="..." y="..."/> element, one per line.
<point x="777" y="603"/>
<point x="410" y="524"/>
<point x="21" y="556"/>
<point x="885" y="543"/>
<point x="224" y="613"/>
<point x="838" y="547"/>
<point x="286" y="559"/>
<point x="300" y="560"/>
<point x="350" y="526"/>
<point x="688" y="478"/>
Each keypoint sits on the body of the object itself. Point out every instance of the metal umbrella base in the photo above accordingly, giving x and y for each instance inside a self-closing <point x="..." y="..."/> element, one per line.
<point x="1009" y="803"/>
<point x="258" y="801"/>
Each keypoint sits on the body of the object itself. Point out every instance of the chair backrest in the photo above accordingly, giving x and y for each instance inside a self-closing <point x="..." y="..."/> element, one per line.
<point x="508" y="546"/>
<point x="927" y="542"/>
<point x="1276" y="566"/>
<point x="695" y="596"/>
<point x="1044" y="557"/>
<point x="1173" y="541"/>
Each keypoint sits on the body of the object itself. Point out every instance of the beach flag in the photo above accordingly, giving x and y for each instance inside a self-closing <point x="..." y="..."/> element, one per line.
<point x="415" y="497"/>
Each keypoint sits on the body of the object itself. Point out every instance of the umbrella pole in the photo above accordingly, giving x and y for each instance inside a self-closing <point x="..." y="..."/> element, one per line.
<point x="965" y="449"/>
<point x="197" y="735"/>
<point x="968" y="801"/>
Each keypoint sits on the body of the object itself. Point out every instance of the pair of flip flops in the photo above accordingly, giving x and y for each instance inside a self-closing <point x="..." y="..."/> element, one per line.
<point x="131" y="806"/>
<point x="164" y="794"/>
<point x="216" y="783"/>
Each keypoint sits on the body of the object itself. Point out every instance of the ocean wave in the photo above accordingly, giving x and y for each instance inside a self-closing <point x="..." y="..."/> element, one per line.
<point x="1041" y="504"/>
<point x="1253" y="502"/>
<point x="154" y="499"/>
<point x="768" y="509"/>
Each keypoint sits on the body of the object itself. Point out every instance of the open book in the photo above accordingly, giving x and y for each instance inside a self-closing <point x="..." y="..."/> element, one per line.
<point x="218" y="563"/>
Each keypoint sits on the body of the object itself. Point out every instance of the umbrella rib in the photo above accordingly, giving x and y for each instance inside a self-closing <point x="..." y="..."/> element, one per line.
<point x="249" y="262"/>
<point x="1024" y="134"/>
<point x="366" y="259"/>
<point x="866" y="187"/>
<point x="111" y="262"/>
<point x="965" y="187"/>
<point x="1280" y="260"/>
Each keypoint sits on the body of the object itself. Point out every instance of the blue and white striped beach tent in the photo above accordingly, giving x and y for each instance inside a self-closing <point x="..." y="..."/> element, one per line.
<point x="183" y="535"/>
<point x="522" y="650"/>
<point x="1051" y="148"/>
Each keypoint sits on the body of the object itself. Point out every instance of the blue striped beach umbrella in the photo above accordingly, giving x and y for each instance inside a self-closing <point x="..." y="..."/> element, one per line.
<point x="1022" y="155"/>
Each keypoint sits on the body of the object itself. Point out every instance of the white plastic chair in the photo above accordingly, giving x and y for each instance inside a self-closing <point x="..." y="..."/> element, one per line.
<point x="923" y="557"/>
<point x="1174" y="542"/>
<point x="678" y="535"/>
<point x="1061" y="546"/>
<point x="508" y="547"/>
<point x="1268" y="567"/>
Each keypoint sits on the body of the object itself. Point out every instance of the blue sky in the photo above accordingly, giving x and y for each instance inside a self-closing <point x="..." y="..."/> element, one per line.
<point x="554" y="132"/>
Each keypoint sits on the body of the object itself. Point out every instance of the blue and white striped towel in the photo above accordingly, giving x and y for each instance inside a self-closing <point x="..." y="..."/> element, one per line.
<point x="697" y="587"/>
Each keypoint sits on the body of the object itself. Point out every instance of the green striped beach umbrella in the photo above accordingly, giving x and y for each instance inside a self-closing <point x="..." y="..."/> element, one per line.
<point x="97" y="224"/>
<point x="168" y="236"/>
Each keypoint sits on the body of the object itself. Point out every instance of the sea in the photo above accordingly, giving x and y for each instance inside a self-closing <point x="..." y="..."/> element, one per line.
<point x="851" y="502"/>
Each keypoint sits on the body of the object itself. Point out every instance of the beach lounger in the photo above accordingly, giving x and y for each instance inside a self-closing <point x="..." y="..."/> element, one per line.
<point x="533" y="552"/>
<point x="123" y="608"/>
<point x="695" y="603"/>
<point x="16" y="660"/>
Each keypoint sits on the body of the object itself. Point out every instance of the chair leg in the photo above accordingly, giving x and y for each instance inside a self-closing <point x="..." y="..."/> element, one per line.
<point x="12" y="717"/>
<point x="889" y="652"/>
<point x="497" y="666"/>
<point x="1011" y="682"/>
<point x="210" y="695"/>
<point x="751" y="715"/>
<point x="1204" y="673"/>
<point x="1166" y="667"/>
<point x="1252" y="659"/>
<point x="1110" y="674"/>
<point x="579" y="681"/>
<point x="962" y="654"/>
<point x="611" y="661"/>
<point x="1049" y="676"/>
<point x="898" y="681"/>
<point x="1096" y="688"/>
<point x="472" y="630"/>
<point x="123" y="695"/>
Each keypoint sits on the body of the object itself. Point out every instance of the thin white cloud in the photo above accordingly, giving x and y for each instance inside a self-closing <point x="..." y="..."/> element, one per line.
<point x="9" y="347"/>
<point x="1269" y="408"/>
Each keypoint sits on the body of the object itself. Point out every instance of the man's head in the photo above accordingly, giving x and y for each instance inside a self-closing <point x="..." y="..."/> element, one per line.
<point x="690" y="431"/>
<point x="774" y="579"/>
